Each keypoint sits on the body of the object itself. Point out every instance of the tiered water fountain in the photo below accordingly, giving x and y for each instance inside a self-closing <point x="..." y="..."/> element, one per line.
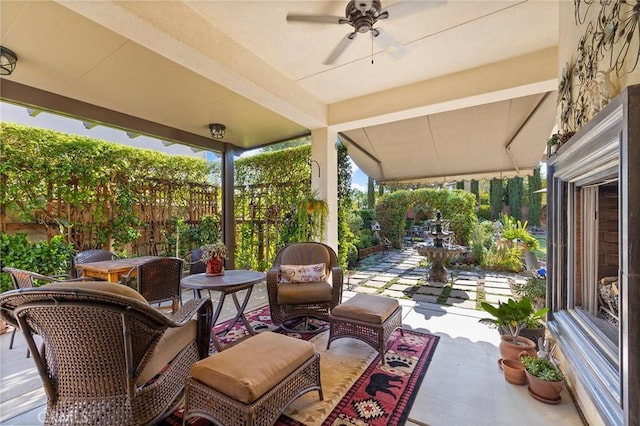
<point x="439" y="249"/>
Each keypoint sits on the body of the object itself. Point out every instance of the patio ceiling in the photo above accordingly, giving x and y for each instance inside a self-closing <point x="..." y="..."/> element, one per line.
<point x="473" y="94"/>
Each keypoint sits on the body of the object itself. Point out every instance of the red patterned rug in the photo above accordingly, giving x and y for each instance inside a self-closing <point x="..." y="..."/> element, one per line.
<point x="358" y="389"/>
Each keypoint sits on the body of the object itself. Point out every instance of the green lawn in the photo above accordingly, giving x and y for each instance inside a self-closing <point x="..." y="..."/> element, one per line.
<point x="541" y="252"/>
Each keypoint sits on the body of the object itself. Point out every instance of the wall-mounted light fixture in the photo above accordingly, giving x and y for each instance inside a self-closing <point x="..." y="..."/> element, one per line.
<point x="8" y="61"/>
<point x="217" y="130"/>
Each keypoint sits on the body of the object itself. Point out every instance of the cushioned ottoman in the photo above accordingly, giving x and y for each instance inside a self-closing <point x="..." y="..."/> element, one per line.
<point x="252" y="382"/>
<point x="371" y="319"/>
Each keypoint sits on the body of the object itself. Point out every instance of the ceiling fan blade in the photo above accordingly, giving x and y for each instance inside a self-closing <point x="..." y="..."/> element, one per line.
<point x="406" y="8"/>
<point x="317" y="19"/>
<point x="389" y="44"/>
<point x="344" y="43"/>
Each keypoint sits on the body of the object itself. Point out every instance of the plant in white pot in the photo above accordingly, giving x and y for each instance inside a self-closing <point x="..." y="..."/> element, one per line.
<point x="511" y="317"/>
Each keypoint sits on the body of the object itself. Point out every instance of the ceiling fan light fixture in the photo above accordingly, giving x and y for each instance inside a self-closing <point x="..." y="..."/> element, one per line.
<point x="8" y="61"/>
<point x="217" y="130"/>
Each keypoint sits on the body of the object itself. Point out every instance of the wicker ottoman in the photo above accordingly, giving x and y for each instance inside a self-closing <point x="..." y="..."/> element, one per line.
<point x="371" y="319"/>
<point x="252" y="382"/>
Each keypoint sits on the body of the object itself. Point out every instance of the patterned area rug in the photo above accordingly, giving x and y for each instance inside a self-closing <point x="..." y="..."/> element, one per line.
<point x="358" y="389"/>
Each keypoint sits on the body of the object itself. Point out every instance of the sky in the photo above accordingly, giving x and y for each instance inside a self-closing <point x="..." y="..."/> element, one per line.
<point x="19" y="114"/>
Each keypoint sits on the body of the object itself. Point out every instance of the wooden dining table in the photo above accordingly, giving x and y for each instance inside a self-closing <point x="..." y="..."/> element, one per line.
<point x="112" y="270"/>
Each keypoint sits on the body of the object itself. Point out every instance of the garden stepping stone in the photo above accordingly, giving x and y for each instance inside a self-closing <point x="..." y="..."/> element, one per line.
<point x="376" y="284"/>
<point x="494" y="299"/>
<point x="429" y="290"/>
<point x="466" y="282"/>
<point x="499" y="291"/>
<point x="465" y="287"/>
<point x="408" y="281"/>
<point x="399" y="287"/>
<point x="384" y="278"/>
<point x="366" y="290"/>
<point x="425" y="298"/>
<point x="394" y="294"/>
<point x="466" y="304"/>
<point x="461" y="294"/>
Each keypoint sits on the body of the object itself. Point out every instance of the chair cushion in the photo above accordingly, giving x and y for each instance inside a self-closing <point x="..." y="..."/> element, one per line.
<point x="251" y="368"/>
<point x="174" y="340"/>
<point x="297" y="293"/>
<point x="366" y="308"/>
<point x="305" y="254"/>
<point x="117" y="289"/>
<point x="303" y="273"/>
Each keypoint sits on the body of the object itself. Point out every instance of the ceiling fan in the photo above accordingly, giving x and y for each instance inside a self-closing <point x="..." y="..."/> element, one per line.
<point x="362" y="15"/>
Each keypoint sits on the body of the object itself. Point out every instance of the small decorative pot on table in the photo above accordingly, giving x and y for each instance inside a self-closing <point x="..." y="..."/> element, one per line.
<point x="213" y="255"/>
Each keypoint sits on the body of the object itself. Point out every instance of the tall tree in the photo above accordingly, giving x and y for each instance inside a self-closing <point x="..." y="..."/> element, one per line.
<point x="475" y="190"/>
<point x="514" y="189"/>
<point x="371" y="194"/>
<point x="535" y="198"/>
<point x="495" y="198"/>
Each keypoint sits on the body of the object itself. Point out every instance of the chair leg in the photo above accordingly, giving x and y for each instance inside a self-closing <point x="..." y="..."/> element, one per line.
<point x="13" y="336"/>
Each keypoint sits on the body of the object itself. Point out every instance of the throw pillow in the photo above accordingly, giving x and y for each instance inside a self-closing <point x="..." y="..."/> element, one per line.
<point x="303" y="273"/>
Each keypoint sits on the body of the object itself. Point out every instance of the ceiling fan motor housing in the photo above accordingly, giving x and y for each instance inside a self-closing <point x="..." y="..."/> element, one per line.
<point x="363" y="14"/>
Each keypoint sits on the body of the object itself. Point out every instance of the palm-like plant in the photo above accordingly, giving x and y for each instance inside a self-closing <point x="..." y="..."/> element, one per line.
<point x="512" y="316"/>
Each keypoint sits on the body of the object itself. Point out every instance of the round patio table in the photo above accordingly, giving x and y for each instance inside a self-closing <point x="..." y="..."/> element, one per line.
<point x="231" y="282"/>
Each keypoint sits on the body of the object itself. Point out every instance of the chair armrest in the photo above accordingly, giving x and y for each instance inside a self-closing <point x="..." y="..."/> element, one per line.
<point x="273" y="278"/>
<point x="203" y="309"/>
<point x="337" y="281"/>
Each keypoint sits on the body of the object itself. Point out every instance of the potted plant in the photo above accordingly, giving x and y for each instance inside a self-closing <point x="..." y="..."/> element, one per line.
<point x="544" y="377"/>
<point x="511" y="317"/>
<point x="213" y="256"/>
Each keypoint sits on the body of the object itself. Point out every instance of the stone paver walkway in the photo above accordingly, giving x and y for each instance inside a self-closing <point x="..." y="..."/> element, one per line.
<point x="402" y="274"/>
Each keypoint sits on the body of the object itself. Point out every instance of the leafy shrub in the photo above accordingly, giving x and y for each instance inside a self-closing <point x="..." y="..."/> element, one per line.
<point x="503" y="258"/>
<point x="517" y="230"/>
<point x="484" y="212"/>
<point x="46" y="258"/>
<point x="535" y="289"/>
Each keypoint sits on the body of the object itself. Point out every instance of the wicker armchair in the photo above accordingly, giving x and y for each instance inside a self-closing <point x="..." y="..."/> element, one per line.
<point x="289" y="301"/>
<point x="107" y="356"/>
<point x="158" y="280"/>
<point x="87" y="256"/>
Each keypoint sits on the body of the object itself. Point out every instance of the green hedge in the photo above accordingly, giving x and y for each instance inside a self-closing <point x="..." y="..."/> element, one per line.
<point x="455" y="205"/>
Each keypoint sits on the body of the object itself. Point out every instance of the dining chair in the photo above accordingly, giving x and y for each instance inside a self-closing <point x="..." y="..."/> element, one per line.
<point x="158" y="280"/>
<point x="196" y="265"/>
<point x="87" y="256"/>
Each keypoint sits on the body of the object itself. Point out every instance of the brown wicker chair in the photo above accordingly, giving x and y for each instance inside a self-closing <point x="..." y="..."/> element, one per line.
<point x="289" y="301"/>
<point x="87" y="256"/>
<point x="158" y="280"/>
<point x="107" y="356"/>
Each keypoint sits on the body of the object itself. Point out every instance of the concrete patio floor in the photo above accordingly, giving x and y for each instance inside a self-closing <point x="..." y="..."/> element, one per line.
<point x="463" y="384"/>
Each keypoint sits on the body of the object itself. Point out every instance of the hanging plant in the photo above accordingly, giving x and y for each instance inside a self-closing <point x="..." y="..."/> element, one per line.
<point x="311" y="218"/>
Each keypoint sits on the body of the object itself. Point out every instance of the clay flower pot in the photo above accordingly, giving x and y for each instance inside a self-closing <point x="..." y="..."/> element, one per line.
<point x="514" y="372"/>
<point x="215" y="266"/>
<point x="510" y="350"/>
<point x="543" y="390"/>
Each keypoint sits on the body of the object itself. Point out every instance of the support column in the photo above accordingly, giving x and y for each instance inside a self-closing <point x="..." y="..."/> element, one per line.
<point x="228" y="206"/>
<point x="324" y="178"/>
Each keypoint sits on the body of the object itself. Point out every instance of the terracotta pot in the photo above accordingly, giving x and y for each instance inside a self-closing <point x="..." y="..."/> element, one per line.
<point x="514" y="372"/>
<point x="215" y="266"/>
<point x="546" y="391"/>
<point x="509" y="350"/>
